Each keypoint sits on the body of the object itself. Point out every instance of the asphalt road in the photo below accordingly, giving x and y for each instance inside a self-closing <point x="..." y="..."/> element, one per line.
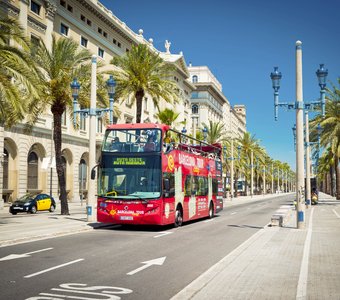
<point x="129" y="262"/>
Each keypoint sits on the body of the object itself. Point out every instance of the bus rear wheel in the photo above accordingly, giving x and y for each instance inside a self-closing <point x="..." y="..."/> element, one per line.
<point x="178" y="217"/>
<point x="211" y="210"/>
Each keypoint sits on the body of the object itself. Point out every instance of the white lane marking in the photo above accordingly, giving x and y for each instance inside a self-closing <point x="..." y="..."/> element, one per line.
<point x="233" y="213"/>
<point x="54" y="268"/>
<point x="15" y="256"/>
<point x="336" y="213"/>
<point x="163" y="234"/>
<point x="301" y="292"/>
<point x="158" y="261"/>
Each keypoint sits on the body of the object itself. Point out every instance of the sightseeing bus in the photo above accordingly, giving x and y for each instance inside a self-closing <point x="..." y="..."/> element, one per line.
<point x="149" y="174"/>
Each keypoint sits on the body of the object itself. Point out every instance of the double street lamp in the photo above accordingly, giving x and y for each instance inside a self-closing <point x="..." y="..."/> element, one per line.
<point x="299" y="106"/>
<point x="93" y="113"/>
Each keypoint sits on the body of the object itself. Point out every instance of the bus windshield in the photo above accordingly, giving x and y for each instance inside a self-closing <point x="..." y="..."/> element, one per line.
<point x="130" y="177"/>
<point x="132" y="140"/>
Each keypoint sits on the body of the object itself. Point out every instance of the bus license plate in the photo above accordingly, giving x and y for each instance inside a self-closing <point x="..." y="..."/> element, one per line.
<point x="126" y="218"/>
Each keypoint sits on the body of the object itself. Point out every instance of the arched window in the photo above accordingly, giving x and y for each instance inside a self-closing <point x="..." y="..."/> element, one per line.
<point x="32" y="171"/>
<point x="82" y="177"/>
<point x="5" y="170"/>
<point x="194" y="109"/>
<point x="195" y="79"/>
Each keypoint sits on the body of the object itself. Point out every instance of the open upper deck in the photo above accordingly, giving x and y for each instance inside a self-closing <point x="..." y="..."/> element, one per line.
<point x="149" y="137"/>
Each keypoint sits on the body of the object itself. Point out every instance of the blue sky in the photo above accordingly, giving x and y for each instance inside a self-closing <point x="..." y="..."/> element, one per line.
<point x="241" y="41"/>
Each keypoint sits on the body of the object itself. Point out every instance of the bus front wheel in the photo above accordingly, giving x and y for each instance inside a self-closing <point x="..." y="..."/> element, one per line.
<point x="178" y="217"/>
<point x="211" y="210"/>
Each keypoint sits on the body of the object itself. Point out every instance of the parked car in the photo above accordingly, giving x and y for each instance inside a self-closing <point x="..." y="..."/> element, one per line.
<point x="31" y="203"/>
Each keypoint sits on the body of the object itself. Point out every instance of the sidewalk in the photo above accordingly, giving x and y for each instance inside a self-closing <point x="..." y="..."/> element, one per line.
<point x="25" y="227"/>
<point x="280" y="262"/>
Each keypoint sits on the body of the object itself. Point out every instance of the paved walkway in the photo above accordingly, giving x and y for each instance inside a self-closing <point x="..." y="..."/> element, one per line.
<point x="275" y="263"/>
<point x="280" y="262"/>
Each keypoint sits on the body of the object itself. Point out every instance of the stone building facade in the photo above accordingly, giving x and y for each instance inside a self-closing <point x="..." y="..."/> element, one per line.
<point x="27" y="160"/>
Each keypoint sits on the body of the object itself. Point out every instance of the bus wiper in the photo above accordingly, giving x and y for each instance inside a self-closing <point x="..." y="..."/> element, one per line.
<point x="139" y="198"/>
<point x="106" y="196"/>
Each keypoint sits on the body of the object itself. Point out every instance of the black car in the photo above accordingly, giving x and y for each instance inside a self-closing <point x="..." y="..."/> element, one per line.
<point x="33" y="203"/>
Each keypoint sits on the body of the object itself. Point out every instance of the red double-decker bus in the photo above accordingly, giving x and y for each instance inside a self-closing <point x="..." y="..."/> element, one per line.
<point x="150" y="174"/>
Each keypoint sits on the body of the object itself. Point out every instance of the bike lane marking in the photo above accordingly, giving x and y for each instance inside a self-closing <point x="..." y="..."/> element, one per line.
<point x="54" y="268"/>
<point x="301" y="292"/>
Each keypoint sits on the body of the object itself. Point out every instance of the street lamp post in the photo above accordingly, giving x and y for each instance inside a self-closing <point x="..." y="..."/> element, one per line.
<point x="272" y="178"/>
<point x="251" y="174"/>
<point x="264" y="179"/>
<point x="308" y="191"/>
<point x="299" y="105"/>
<point x="183" y="138"/>
<point x="205" y="134"/>
<point x="93" y="113"/>
<point x="111" y="86"/>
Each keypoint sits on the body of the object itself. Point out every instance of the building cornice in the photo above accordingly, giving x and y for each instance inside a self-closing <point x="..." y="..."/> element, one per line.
<point x="101" y="12"/>
<point x="212" y="88"/>
<point x="9" y="8"/>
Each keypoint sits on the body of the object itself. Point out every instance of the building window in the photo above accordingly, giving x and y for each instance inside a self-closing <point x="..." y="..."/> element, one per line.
<point x="145" y="104"/>
<point x="195" y="79"/>
<point x="194" y="95"/>
<point x="35" y="44"/>
<point x="82" y="177"/>
<point x="83" y="42"/>
<point x="63" y="3"/>
<point x="100" y="52"/>
<point x="99" y="125"/>
<point x="114" y="41"/>
<point x="82" y="125"/>
<point x="35" y="7"/>
<point x="32" y="171"/>
<point x="194" y="109"/>
<point x="82" y="17"/>
<point x="89" y="22"/>
<point x="5" y="170"/>
<point x="100" y="30"/>
<point x="69" y="8"/>
<point x="64" y="29"/>
<point x="105" y="34"/>
<point x="119" y="45"/>
<point x="63" y="119"/>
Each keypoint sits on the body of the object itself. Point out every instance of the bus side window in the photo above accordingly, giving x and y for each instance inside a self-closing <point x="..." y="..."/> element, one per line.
<point x="187" y="186"/>
<point x="169" y="185"/>
<point x="195" y="186"/>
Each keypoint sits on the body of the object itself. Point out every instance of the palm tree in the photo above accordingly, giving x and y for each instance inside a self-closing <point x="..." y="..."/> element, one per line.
<point x="216" y="132"/>
<point x="330" y="125"/>
<point x="248" y="145"/>
<point x="58" y="67"/>
<point x="17" y="73"/>
<point x="140" y="71"/>
<point x="326" y="167"/>
<point x="167" y="116"/>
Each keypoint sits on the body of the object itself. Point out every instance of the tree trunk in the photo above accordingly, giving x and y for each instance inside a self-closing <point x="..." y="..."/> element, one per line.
<point x="139" y="102"/>
<point x="331" y="173"/>
<point x="59" y="165"/>
<point x="337" y="176"/>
